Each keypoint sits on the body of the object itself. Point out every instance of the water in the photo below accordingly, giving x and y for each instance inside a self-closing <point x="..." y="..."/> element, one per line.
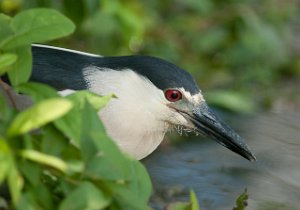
<point x="218" y="176"/>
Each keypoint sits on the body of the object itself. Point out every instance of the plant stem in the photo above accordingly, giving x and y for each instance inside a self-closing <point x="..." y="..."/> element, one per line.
<point x="6" y="88"/>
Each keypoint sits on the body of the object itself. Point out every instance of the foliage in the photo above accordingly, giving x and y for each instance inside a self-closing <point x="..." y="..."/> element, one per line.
<point x="191" y="205"/>
<point x="64" y="160"/>
<point x="56" y="154"/>
<point x="241" y="201"/>
<point x="17" y="36"/>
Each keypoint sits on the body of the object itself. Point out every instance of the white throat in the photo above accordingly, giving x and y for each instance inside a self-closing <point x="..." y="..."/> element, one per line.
<point x="134" y="119"/>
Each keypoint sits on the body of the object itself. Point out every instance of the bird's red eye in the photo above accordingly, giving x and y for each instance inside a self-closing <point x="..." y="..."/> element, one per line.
<point x="173" y="95"/>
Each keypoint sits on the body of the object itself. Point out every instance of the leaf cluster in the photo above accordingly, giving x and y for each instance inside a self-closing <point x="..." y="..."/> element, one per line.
<point x="56" y="153"/>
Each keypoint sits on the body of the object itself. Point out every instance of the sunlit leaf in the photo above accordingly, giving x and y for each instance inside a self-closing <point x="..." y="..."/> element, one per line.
<point x="6" y="60"/>
<point x="21" y="69"/>
<point x="15" y="183"/>
<point x="39" y="115"/>
<point x="45" y="159"/>
<point x="6" y="30"/>
<point x="4" y="159"/>
<point x="98" y="102"/>
<point x="45" y="25"/>
<point x="194" y="201"/>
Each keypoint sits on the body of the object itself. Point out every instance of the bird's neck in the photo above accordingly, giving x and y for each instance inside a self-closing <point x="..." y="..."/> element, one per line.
<point x="135" y="118"/>
<point x="136" y="135"/>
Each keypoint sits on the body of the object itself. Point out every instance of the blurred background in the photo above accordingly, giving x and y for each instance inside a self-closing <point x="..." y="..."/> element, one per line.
<point x="244" y="54"/>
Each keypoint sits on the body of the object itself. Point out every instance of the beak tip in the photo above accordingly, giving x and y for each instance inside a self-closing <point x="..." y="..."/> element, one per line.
<point x="209" y="124"/>
<point x="245" y="151"/>
<point x="252" y="158"/>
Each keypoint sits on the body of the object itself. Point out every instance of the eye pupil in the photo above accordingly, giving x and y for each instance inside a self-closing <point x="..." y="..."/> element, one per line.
<point x="173" y="95"/>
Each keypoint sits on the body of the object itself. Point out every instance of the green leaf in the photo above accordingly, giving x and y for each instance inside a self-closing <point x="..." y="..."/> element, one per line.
<point x="192" y="205"/>
<point x="72" y="123"/>
<point x="194" y="201"/>
<point x="21" y="69"/>
<point x="99" y="150"/>
<point x="4" y="159"/>
<point x="45" y="159"/>
<point x="86" y="196"/>
<point x="6" y="30"/>
<point x="6" y="114"/>
<point x="140" y="182"/>
<point x="71" y="152"/>
<point x="127" y="199"/>
<point x="15" y="183"/>
<point x="7" y="60"/>
<point x="27" y="202"/>
<point x="31" y="171"/>
<point x="103" y="158"/>
<point x="36" y="185"/>
<point x="241" y="201"/>
<point x="98" y="102"/>
<point x="53" y="142"/>
<point x="3" y="106"/>
<point x="37" y="25"/>
<point x="43" y="196"/>
<point x="37" y="91"/>
<point x="39" y="115"/>
<point x="102" y="167"/>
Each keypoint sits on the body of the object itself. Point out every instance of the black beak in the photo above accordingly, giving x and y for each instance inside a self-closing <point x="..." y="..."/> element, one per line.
<point x="207" y="123"/>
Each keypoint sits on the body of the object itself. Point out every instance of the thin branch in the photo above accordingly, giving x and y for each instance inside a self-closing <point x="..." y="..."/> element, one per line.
<point x="7" y="88"/>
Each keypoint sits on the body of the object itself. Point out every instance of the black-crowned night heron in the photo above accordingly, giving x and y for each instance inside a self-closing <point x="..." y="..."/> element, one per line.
<point x="153" y="96"/>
